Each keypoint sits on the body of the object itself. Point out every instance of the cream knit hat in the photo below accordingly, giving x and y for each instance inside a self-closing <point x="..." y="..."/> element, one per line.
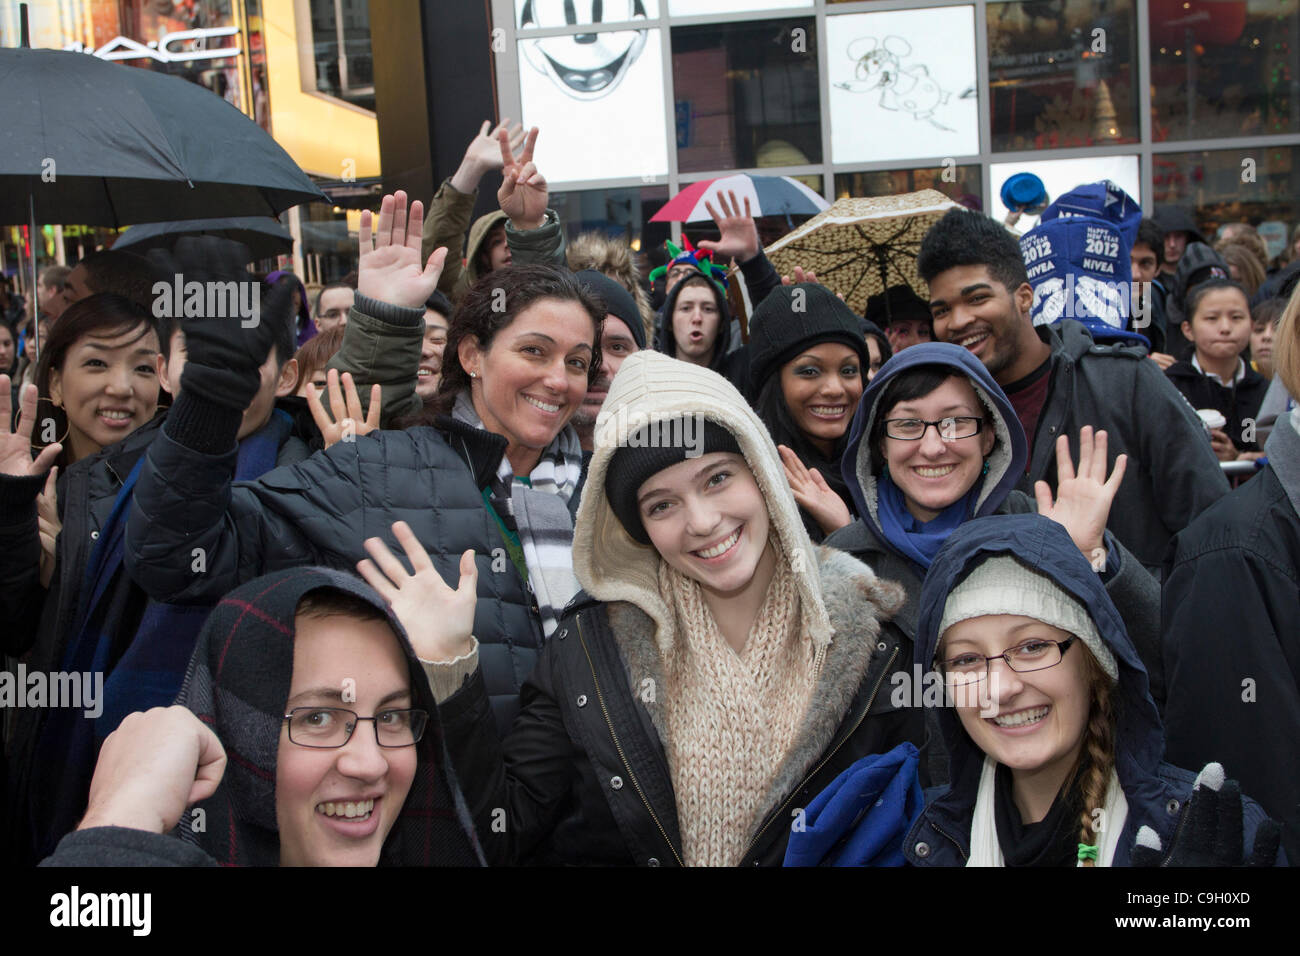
<point x="649" y="388"/>
<point x="1002" y="585"/>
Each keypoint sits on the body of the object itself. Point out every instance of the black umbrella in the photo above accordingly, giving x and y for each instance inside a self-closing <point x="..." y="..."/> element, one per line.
<point x="91" y="142"/>
<point x="264" y="237"/>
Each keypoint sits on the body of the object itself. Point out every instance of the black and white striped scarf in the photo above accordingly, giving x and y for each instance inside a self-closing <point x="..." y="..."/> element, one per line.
<point x="539" y="515"/>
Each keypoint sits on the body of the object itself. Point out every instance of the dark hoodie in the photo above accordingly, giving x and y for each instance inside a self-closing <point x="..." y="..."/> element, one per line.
<point x="733" y="366"/>
<point x="1198" y="263"/>
<point x="237" y="684"/>
<point x="1132" y="588"/>
<point x="1157" y="793"/>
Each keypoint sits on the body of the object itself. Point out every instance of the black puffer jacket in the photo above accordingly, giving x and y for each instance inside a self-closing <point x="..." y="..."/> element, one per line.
<point x="583" y="778"/>
<point x="321" y="510"/>
<point x="1239" y="402"/>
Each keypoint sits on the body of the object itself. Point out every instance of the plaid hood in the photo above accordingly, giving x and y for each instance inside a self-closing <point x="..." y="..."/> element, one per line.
<point x="237" y="684"/>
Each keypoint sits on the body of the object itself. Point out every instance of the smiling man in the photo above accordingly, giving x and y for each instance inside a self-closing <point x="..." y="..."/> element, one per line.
<point x="621" y="334"/>
<point x="1059" y="380"/>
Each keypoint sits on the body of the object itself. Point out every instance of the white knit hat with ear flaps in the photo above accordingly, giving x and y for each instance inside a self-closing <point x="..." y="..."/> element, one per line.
<point x="1002" y="585"/>
<point x="609" y="563"/>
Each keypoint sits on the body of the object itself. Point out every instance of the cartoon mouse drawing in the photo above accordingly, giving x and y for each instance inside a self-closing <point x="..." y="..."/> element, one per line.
<point x="911" y="89"/>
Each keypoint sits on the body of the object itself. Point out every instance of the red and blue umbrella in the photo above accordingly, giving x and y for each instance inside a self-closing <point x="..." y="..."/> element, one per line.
<point x="767" y="195"/>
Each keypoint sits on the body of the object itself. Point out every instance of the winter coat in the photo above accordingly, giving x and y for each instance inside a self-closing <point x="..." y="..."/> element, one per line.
<point x="1172" y="473"/>
<point x="583" y="776"/>
<point x="44" y="622"/>
<point x="733" y="365"/>
<point x="445" y="223"/>
<point x="1239" y="403"/>
<point x="237" y="684"/>
<point x="1231" y="650"/>
<point x="1133" y="589"/>
<point x="321" y="510"/>
<point x="1157" y="793"/>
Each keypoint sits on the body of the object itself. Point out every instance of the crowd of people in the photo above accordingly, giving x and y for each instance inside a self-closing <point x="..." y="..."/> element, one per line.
<point x="614" y="578"/>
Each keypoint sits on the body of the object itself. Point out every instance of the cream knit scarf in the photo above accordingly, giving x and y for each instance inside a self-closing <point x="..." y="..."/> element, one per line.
<point x="731" y="718"/>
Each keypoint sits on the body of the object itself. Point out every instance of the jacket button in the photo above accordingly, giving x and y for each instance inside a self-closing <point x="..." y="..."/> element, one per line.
<point x="582" y="700"/>
<point x="653" y="861"/>
<point x="616" y="783"/>
<point x="564" y="632"/>
<point x="94" y="536"/>
<point x="1171" y="807"/>
<point x="922" y="850"/>
<point x="881" y="646"/>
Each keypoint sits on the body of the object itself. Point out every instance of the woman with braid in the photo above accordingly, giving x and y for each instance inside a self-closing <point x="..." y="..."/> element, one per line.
<point x="1055" y="746"/>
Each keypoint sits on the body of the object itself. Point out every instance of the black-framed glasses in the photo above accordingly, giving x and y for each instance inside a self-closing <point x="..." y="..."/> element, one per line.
<point x="328" y="728"/>
<point x="1035" y="655"/>
<point x="949" y="429"/>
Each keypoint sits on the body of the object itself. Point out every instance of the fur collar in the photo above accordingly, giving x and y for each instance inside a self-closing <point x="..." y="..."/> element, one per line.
<point x="857" y="602"/>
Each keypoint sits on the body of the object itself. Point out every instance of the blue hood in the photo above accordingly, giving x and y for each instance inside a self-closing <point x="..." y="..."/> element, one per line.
<point x="1044" y="546"/>
<point x="1006" y="463"/>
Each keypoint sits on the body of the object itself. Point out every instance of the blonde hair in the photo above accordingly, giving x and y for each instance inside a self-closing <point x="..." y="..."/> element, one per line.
<point x="614" y="258"/>
<point x="1286" y="350"/>
<point x="1250" y="271"/>
<point x="1097" y="755"/>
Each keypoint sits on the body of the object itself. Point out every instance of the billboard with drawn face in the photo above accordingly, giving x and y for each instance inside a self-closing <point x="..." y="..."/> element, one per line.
<point x="600" y="122"/>
<point x="584" y="66"/>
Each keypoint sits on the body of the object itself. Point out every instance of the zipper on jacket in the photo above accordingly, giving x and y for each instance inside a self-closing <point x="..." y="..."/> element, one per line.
<point x="636" y="785"/>
<point x="825" y="760"/>
<point x="1182" y="817"/>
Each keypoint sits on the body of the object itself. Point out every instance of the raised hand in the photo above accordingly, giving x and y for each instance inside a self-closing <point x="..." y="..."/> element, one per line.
<point x="16" y="441"/>
<point x="813" y="494"/>
<point x="151" y="768"/>
<point x="48" y="524"/>
<point x="483" y="150"/>
<point x="344" y="415"/>
<point x="739" y="234"/>
<point x="1083" y="499"/>
<point x="523" y="194"/>
<point x="389" y="267"/>
<point x="438" y="620"/>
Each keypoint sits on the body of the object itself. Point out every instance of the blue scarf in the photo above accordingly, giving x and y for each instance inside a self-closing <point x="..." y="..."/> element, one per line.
<point x="919" y="541"/>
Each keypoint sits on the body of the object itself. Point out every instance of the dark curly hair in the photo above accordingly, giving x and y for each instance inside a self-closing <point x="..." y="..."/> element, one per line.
<point x="965" y="238"/>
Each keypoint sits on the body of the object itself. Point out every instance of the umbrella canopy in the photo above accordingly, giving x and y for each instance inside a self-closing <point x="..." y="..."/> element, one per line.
<point x="263" y="236"/>
<point x="859" y="247"/>
<point x="102" y="144"/>
<point x="767" y="195"/>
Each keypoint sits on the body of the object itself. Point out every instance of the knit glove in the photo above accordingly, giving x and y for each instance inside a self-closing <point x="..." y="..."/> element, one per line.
<point x="224" y="352"/>
<point x="1211" y="831"/>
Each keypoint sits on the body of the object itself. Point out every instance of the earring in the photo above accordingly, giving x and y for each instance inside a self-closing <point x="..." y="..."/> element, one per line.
<point x="57" y="441"/>
<point x="986" y="467"/>
<point x="473" y="374"/>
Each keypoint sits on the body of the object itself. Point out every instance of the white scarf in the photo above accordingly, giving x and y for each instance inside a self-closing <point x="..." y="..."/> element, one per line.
<point x="985" y="849"/>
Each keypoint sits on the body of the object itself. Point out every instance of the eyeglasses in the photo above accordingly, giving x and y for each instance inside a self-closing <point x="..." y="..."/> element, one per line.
<point x="1036" y="655"/>
<point x="328" y="728"/>
<point x="334" y="313"/>
<point x="949" y="429"/>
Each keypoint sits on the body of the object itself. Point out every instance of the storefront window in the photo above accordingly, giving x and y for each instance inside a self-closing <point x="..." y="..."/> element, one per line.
<point x="1059" y="176"/>
<point x="1062" y="74"/>
<point x="622" y="213"/>
<point x="341" y="40"/>
<point x="1251" y="184"/>
<point x="902" y="84"/>
<point x="959" y="183"/>
<point x="746" y="95"/>
<point x="1224" y="68"/>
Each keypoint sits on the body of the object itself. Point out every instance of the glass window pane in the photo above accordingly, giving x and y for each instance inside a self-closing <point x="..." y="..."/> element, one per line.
<point x="1223" y="189"/>
<point x="621" y="213"/>
<point x="697" y="8"/>
<point x="960" y="183"/>
<point x="344" y="72"/>
<point x="1062" y="175"/>
<point x="746" y="95"/>
<point x="1224" y="69"/>
<point x="1062" y="74"/>
<point x="902" y="84"/>
<point x="599" y="101"/>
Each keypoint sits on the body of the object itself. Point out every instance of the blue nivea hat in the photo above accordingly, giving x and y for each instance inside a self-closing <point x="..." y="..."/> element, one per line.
<point x="1024" y="192"/>
<point x="1080" y="269"/>
<point x="1100" y="200"/>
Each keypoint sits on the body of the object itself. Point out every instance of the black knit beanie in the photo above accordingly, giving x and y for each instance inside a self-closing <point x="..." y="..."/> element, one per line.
<point x="648" y="451"/>
<point x="618" y="302"/>
<point x="778" y="331"/>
